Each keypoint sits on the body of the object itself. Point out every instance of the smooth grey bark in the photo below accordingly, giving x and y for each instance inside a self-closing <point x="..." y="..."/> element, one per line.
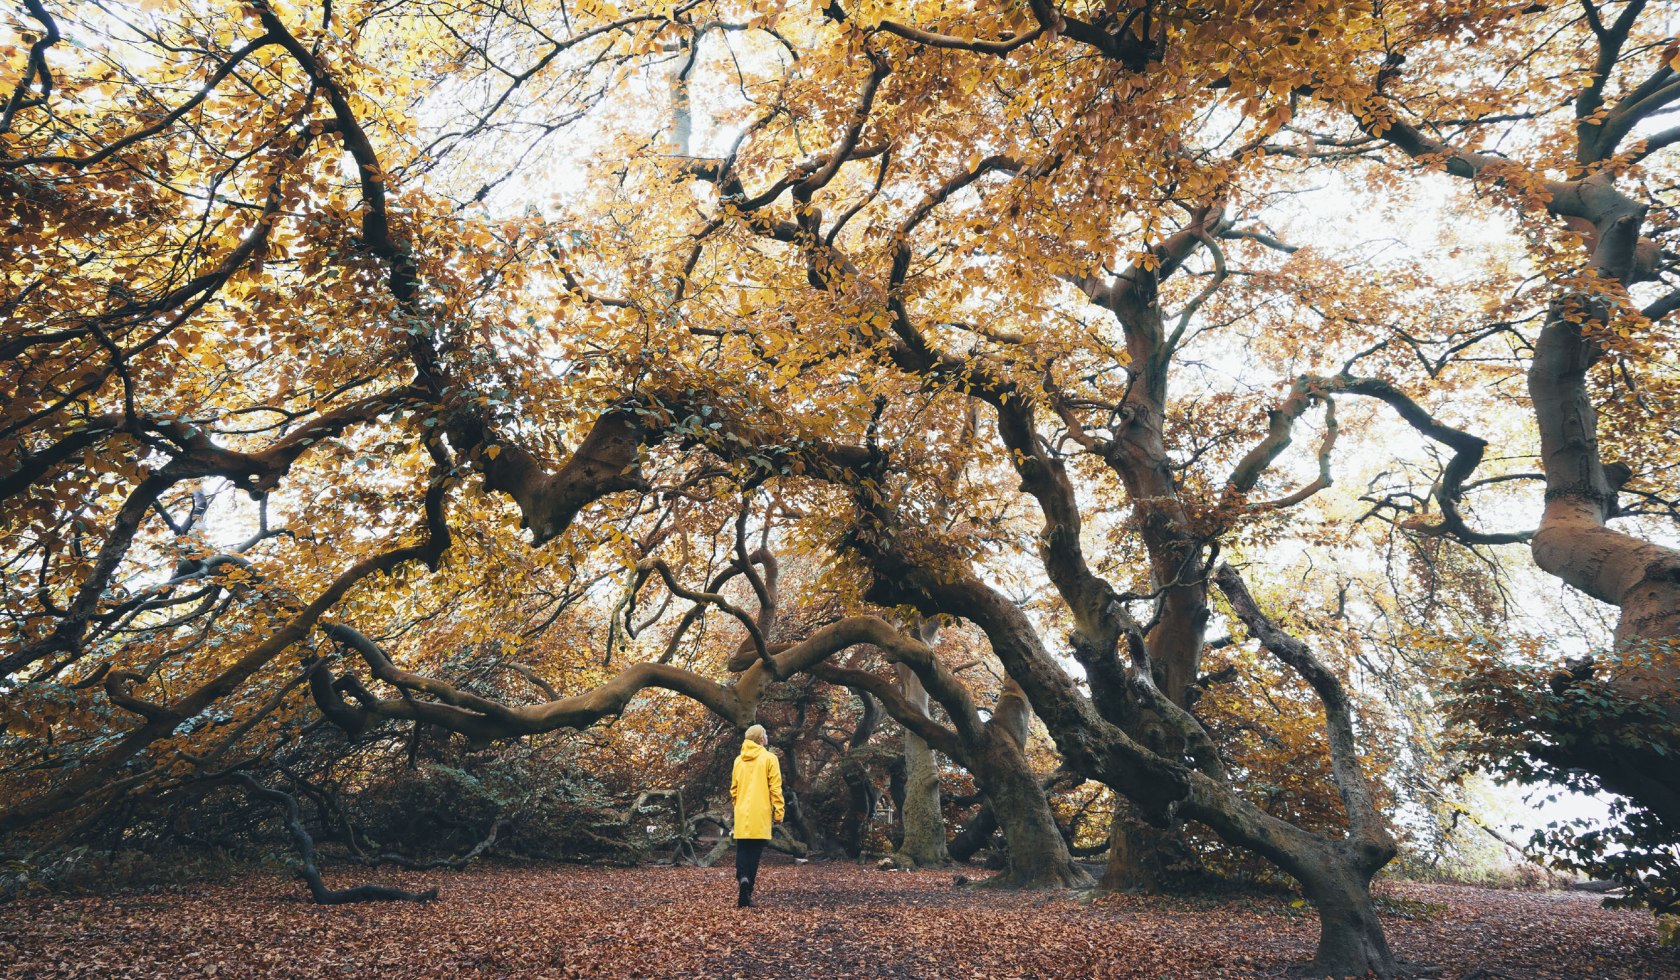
<point x="924" y="822"/>
<point x="1038" y="855"/>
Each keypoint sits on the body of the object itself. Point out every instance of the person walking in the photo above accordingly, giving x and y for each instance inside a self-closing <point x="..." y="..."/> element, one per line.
<point x="755" y="787"/>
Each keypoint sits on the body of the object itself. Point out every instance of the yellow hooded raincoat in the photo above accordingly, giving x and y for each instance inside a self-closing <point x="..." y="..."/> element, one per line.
<point x="756" y="788"/>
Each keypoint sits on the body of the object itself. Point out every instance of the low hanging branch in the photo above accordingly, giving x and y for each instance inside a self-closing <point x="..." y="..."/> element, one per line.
<point x="88" y="782"/>
<point x="438" y="702"/>
<point x="318" y="890"/>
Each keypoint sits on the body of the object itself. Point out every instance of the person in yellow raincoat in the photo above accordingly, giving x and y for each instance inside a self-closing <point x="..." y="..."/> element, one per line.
<point x="756" y="789"/>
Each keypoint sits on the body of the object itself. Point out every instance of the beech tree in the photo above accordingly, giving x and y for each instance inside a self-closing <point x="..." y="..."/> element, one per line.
<point x="1593" y="195"/>
<point x="336" y="336"/>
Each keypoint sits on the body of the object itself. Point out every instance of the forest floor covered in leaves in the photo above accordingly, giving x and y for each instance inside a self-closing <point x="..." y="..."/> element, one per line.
<point x="815" y="920"/>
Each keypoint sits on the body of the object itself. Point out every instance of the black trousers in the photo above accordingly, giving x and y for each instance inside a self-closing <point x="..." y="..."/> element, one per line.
<point x="748" y="851"/>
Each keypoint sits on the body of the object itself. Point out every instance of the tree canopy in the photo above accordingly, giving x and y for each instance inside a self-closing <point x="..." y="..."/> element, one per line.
<point x="1269" y="398"/>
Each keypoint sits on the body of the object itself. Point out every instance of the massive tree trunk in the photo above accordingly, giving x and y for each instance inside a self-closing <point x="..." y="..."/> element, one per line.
<point x="1640" y="578"/>
<point x="924" y="822"/>
<point x="1038" y="855"/>
<point x="1350" y="939"/>
<point x="1574" y="543"/>
<point x="1176" y="552"/>
<point x="1139" y="457"/>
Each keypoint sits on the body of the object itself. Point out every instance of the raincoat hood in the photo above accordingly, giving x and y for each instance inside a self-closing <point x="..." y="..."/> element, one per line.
<point x="751" y="750"/>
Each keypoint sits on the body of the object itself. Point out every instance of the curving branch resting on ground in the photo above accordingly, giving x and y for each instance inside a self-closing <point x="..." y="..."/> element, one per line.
<point x="305" y="844"/>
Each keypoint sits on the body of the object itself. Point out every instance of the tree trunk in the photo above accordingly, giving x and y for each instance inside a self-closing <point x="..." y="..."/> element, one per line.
<point x="861" y="792"/>
<point x="1350" y="939"/>
<point x="862" y="796"/>
<point x="1334" y="874"/>
<point x="793" y="779"/>
<point x="1641" y="578"/>
<point x="924" y="823"/>
<point x="992" y="751"/>
<point x="975" y="835"/>
<point x="895" y="793"/>
<point x="1038" y="856"/>
<point x="1141" y="856"/>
